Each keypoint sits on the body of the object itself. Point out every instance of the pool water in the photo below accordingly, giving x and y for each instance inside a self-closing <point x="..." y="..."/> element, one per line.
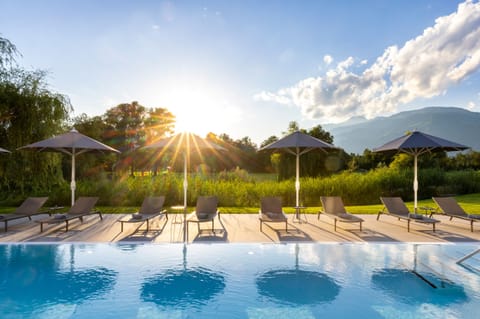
<point x="238" y="281"/>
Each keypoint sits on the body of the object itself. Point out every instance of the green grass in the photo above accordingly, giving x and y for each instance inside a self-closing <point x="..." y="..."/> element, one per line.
<point x="470" y="202"/>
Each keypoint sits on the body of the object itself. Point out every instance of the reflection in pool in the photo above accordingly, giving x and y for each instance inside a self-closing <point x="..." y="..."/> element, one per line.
<point x="295" y="286"/>
<point x="182" y="287"/>
<point x="245" y="281"/>
<point x="413" y="288"/>
<point x="32" y="276"/>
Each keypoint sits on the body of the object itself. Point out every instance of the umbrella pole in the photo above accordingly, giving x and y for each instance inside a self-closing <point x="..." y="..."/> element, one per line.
<point x="185" y="187"/>
<point x="415" y="182"/>
<point x="73" y="185"/>
<point x="297" y="186"/>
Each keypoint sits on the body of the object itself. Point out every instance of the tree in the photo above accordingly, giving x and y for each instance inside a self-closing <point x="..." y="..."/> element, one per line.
<point x="270" y="162"/>
<point x="131" y="125"/>
<point x="92" y="164"/>
<point x="158" y="124"/>
<point x="314" y="163"/>
<point x="30" y="112"/>
<point x="8" y="51"/>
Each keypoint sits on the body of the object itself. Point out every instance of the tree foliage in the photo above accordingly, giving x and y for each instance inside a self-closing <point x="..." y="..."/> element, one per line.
<point x="30" y="112"/>
<point x="314" y="163"/>
<point x="130" y="126"/>
<point x="8" y="52"/>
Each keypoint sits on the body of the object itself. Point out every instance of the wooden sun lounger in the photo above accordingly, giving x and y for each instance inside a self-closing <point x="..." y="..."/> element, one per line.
<point x="151" y="207"/>
<point x="30" y="207"/>
<point x="394" y="206"/>
<point x="448" y="206"/>
<point x="82" y="207"/>
<point x="205" y="211"/>
<point x="334" y="208"/>
<point x="271" y="211"/>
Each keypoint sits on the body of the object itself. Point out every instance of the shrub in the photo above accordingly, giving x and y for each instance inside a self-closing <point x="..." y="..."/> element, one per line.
<point x="240" y="189"/>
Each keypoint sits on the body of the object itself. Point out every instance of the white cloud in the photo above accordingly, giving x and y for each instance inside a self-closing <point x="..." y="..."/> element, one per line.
<point x="424" y="67"/>
<point x="280" y="97"/>
<point x="328" y="59"/>
<point x="471" y="105"/>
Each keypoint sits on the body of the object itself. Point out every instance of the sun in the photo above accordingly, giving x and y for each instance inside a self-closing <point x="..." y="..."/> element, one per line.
<point x="202" y="110"/>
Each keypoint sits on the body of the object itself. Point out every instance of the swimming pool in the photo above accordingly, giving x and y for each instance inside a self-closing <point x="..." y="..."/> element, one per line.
<point x="238" y="281"/>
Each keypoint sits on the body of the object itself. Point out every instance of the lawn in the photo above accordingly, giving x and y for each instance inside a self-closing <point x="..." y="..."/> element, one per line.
<point x="470" y="202"/>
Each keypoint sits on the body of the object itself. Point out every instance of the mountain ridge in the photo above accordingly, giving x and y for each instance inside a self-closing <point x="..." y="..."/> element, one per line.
<point x="451" y="123"/>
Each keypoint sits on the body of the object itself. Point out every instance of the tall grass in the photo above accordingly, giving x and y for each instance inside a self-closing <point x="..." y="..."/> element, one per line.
<point x="239" y="189"/>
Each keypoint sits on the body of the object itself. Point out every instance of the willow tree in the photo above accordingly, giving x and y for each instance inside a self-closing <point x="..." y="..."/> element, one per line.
<point x="29" y="112"/>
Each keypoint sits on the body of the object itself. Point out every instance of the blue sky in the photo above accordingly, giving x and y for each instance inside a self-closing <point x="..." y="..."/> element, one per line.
<point x="248" y="68"/>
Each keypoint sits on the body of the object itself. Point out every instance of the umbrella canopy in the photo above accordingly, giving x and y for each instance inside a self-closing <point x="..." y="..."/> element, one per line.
<point x="298" y="143"/>
<point x="418" y="143"/>
<point x="2" y="150"/>
<point x="73" y="144"/>
<point x="186" y="143"/>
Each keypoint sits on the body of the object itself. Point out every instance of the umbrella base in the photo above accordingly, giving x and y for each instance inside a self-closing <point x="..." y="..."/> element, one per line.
<point x="300" y="217"/>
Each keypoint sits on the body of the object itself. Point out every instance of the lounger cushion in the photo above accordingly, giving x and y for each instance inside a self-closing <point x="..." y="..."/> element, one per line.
<point x="417" y="216"/>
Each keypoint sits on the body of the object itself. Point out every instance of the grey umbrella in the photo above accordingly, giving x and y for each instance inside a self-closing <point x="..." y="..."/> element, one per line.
<point x="298" y="143"/>
<point x="417" y="143"/>
<point x="186" y="143"/>
<point x="73" y="144"/>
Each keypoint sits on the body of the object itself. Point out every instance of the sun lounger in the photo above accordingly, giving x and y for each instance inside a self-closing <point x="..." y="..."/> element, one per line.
<point x="151" y="208"/>
<point x="30" y="207"/>
<point x="271" y="211"/>
<point x="334" y="208"/>
<point x="82" y="207"/>
<point x="205" y="211"/>
<point x="449" y="206"/>
<point x="394" y="206"/>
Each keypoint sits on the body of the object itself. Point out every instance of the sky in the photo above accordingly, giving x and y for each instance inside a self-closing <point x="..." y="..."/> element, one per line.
<point x="249" y="68"/>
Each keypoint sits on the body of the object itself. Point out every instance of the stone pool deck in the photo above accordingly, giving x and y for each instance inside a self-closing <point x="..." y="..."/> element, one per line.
<point x="241" y="228"/>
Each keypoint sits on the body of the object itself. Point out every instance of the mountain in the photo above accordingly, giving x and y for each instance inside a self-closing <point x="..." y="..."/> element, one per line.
<point x="452" y="123"/>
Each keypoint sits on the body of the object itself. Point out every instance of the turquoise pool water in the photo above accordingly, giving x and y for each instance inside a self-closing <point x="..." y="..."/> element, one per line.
<point x="238" y="281"/>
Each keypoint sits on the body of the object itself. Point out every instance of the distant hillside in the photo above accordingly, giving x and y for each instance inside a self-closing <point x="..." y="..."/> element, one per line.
<point x="455" y="124"/>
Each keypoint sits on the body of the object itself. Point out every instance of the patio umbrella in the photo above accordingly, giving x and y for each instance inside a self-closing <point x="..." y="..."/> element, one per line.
<point x="2" y="150"/>
<point x="73" y="144"/>
<point x="298" y="143"/>
<point x="417" y="143"/>
<point x="186" y="143"/>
